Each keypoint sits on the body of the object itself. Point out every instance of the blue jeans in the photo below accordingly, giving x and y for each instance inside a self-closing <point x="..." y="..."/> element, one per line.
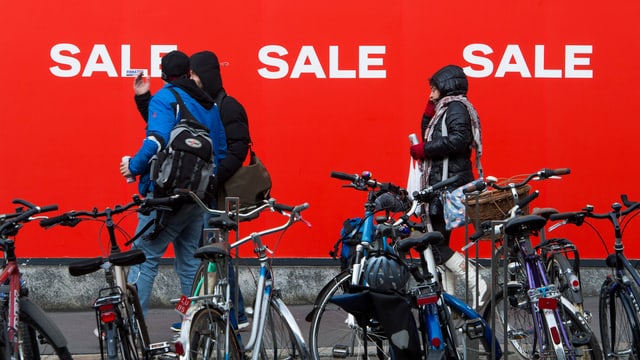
<point x="183" y="230"/>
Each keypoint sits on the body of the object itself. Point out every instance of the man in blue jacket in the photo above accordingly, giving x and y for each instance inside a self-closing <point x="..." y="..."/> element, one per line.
<point x="184" y="226"/>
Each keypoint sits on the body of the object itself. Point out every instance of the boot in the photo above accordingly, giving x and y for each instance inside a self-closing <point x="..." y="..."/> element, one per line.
<point x="456" y="264"/>
<point x="448" y="280"/>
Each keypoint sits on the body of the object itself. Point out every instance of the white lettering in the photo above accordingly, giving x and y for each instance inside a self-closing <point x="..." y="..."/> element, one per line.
<point x="334" y="71"/>
<point x="540" y="71"/>
<point x="281" y="65"/>
<point x="513" y="61"/>
<point x="98" y="52"/>
<point x="365" y="61"/>
<point x="72" y="63"/>
<point x="571" y="61"/>
<point x="486" y="65"/>
<point x="520" y="65"/>
<point x="308" y="62"/>
<point x="307" y="52"/>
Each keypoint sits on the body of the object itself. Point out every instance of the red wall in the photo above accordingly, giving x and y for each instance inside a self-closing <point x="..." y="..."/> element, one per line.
<point x="343" y="86"/>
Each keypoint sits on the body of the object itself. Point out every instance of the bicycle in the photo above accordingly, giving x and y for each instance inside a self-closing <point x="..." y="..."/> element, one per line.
<point x="25" y="330"/>
<point x="207" y="331"/>
<point x="348" y="337"/>
<point x="122" y="331"/>
<point x="535" y="319"/>
<point x="450" y="328"/>
<point x="349" y="334"/>
<point x="619" y="299"/>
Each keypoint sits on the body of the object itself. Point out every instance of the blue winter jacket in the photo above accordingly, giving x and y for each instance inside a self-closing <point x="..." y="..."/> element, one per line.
<point x="162" y="119"/>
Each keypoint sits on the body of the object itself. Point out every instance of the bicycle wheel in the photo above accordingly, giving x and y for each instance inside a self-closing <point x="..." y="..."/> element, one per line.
<point x="558" y="267"/>
<point x="522" y="340"/>
<point x="332" y="333"/>
<point x="207" y="337"/>
<point x="280" y="340"/>
<point x="619" y="326"/>
<point x="34" y="340"/>
<point x="37" y="335"/>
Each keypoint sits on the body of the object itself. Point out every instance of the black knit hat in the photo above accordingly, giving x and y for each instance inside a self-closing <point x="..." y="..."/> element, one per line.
<point x="175" y="65"/>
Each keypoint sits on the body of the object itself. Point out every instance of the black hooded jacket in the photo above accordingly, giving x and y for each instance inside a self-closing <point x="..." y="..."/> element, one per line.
<point x="451" y="80"/>
<point x="234" y="117"/>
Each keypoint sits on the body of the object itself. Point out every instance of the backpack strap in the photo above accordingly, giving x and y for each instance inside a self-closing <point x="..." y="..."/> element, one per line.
<point x="181" y="108"/>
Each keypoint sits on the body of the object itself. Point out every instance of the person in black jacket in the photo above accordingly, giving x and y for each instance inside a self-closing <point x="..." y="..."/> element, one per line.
<point x="450" y="129"/>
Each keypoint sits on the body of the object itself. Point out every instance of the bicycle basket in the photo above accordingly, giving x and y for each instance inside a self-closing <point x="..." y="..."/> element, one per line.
<point x="493" y="204"/>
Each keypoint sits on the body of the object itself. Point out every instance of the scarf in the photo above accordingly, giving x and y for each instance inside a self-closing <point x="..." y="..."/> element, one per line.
<point x="438" y="118"/>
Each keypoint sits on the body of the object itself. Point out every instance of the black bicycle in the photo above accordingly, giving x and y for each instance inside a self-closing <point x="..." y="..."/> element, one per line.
<point x="122" y="331"/>
<point x="619" y="299"/>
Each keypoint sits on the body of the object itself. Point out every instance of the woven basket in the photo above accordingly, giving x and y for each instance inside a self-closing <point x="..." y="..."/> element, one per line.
<point x="493" y="204"/>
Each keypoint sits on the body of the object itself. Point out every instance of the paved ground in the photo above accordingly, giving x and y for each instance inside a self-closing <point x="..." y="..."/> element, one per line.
<point x="78" y="326"/>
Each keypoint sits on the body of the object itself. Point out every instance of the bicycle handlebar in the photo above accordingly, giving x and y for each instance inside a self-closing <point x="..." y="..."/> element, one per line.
<point x="425" y="194"/>
<point x="540" y="175"/>
<point x="72" y="218"/>
<point x="364" y="182"/>
<point x="577" y="217"/>
<point x="11" y="222"/>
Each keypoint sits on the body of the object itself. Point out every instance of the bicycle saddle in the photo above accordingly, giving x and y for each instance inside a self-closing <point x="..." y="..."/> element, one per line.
<point x="419" y="242"/>
<point x="212" y="252"/>
<point x="524" y="224"/>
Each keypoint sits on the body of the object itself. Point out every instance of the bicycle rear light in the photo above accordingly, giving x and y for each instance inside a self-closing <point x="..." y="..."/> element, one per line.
<point x="107" y="313"/>
<point x="548" y="303"/>
<point x="426" y="299"/>
<point x="179" y="348"/>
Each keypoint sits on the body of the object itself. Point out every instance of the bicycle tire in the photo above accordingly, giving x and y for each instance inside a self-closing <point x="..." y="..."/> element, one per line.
<point x="557" y="267"/>
<point x="330" y="335"/>
<point x="619" y="323"/>
<point x="207" y="337"/>
<point x="521" y="336"/>
<point x="280" y="340"/>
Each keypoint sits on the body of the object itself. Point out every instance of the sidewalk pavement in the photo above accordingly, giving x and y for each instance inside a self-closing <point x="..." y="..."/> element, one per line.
<point x="78" y="326"/>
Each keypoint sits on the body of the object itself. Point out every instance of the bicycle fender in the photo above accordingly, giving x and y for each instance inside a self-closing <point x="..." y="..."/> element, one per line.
<point x="293" y="324"/>
<point x="470" y="313"/>
<point x="38" y="315"/>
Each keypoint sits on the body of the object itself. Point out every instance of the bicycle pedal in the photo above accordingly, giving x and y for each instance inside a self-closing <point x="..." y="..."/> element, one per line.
<point x="159" y="348"/>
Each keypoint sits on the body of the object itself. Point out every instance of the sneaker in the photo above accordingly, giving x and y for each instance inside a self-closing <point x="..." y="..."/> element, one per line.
<point x="243" y="324"/>
<point x="97" y="333"/>
<point x="176" y="326"/>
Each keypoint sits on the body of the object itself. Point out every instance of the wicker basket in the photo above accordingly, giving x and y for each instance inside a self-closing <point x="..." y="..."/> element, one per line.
<point x="493" y="204"/>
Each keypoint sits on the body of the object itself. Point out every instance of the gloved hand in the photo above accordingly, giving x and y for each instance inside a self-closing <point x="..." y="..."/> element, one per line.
<point x="417" y="151"/>
<point x="430" y="109"/>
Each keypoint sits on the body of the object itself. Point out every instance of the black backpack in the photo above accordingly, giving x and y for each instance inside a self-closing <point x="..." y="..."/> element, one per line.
<point x="186" y="162"/>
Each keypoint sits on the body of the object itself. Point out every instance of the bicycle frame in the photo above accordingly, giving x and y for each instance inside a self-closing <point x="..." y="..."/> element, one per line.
<point x="264" y="288"/>
<point x="11" y="273"/>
